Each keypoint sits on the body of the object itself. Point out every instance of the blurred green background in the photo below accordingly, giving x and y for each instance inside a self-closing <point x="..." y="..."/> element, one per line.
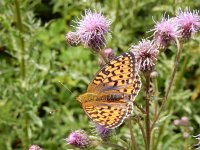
<point x="37" y="109"/>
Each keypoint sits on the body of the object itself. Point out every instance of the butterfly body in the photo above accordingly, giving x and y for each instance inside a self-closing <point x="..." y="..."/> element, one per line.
<point x="87" y="97"/>
<point x="110" y="95"/>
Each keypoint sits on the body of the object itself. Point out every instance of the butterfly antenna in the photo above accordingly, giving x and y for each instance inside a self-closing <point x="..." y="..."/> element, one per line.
<point x="65" y="87"/>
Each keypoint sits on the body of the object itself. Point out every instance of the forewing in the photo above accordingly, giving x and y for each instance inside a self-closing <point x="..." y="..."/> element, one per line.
<point x="118" y="73"/>
<point x="110" y="115"/>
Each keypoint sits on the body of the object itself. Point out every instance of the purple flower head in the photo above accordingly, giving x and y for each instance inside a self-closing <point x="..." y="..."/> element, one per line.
<point x="165" y="32"/>
<point x="92" y="29"/>
<point x="72" y="38"/>
<point x="146" y="55"/>
<point x="78" y="139"/>
<point x="35" y="147"/>
<point x="102" y="131"/>
<point x="188" y="22"/>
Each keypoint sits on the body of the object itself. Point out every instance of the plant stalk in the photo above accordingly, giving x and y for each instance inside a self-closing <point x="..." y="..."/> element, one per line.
<point x="22" y="53"/>
<point x="143" y="132"/>
<point x="177" y="59"/>
<point x="147" y="105"/>
<point x="134" y="143"/>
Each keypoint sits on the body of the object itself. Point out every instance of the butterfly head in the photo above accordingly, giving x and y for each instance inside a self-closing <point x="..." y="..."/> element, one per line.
<point x="86" y="97"/>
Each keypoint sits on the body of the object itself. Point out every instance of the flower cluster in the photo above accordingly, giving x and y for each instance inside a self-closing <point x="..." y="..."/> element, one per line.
<point x="184" y="121"/>
<point x="146" y="54"/>
<point x="78" y="139"/>
<point x="182" y="26"/>
<point x="184" y="124"/>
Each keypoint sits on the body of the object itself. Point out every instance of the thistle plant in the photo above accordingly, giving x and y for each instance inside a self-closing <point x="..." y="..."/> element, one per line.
<point x="91" y="31"/>
<point x="158" y="111"/>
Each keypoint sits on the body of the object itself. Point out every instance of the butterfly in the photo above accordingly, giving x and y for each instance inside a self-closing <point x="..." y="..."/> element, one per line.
<point x="110" y="95"/>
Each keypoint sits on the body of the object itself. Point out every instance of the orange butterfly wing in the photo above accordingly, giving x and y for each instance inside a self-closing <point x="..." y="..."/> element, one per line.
<point x="119" y="75"/>
<point x="109" y="115"/>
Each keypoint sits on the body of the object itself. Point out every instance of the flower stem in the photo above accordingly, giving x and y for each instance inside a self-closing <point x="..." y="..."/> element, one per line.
<point x="134" y="143"/>
<point x="20" y="27"/>
<point x="103" y="57"/>
<point x="143" y="132"/>
<point x="147" y="118"/>
<point x="177" y="59"/>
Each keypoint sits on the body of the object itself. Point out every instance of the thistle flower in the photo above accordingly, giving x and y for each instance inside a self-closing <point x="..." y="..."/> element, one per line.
<point x="102" y="131"/>
<point x="165" y="32"/>
<point x="146" y="55"/>
<point x="78" y="139"/>
<point x="188" y="22"/>
<point x="92" y="29"/>
<point x="176" y="122"/>
<point x="184" y="121"/>
<point x="35" y="147"/>
<point x="72" y="38"/>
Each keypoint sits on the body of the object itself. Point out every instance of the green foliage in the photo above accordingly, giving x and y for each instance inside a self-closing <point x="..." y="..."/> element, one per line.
<point x="39" y="110"/>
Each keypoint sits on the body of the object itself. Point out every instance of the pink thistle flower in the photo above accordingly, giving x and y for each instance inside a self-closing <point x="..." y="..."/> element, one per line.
<point x="92" y="29"/>
<point x="35" y="147"/>
<point x="78" y="139"/>
<point x="109" y="55"/>
<point x="165" y="32"/>
<point x="102" y="131"/>
<point x="188" y="22"/>
<point x="146" y="54"/>
<point x="176" y="122"/>
<point x="72" y="38"/>
<point x="184" y="121"/>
